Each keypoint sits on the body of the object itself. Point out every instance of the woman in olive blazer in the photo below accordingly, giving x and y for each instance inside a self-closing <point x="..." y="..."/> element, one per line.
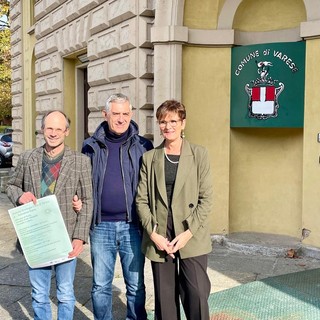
<point x="174" y="200"/>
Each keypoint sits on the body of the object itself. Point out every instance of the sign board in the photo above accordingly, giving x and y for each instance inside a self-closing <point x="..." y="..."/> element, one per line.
<point x="267" y="85"/>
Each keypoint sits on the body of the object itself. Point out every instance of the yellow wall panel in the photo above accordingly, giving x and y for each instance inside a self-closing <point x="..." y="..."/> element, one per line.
<point x="266" y="181"/>
<point x="206" y="95"/>
<point x="261" y="15"/>
<point x="311" y="150"/>
<point x="201" y="14"/>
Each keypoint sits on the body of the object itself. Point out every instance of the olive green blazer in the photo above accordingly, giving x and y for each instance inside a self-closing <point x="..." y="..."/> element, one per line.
<point x="191" y="201"/>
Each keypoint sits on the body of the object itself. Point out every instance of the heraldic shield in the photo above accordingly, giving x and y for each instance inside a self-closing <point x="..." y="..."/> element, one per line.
<point x="263" y="101"/>
<point x="263" y="94"/>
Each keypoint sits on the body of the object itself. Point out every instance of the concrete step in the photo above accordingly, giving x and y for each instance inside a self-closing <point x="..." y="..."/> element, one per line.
<point x="253" y="243"/>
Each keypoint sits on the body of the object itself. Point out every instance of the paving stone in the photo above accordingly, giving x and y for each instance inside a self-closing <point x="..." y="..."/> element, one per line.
<point x="229" y="267"/>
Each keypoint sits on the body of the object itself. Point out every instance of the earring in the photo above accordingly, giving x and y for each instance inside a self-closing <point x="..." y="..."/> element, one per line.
<point x="182" y="134"/>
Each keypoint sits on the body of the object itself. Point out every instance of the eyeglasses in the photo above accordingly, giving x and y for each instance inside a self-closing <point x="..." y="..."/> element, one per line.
<point x="173" y="123"/>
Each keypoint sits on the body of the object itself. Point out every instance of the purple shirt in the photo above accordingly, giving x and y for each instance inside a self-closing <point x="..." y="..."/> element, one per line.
<point x="113" y="202"/>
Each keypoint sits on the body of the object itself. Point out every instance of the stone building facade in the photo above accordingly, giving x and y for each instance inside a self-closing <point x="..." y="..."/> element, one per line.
<point x="71" y="54"/>
<point x="82" y="52"/>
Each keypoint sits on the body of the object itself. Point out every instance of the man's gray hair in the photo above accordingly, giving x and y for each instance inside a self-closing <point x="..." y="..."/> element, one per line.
<point x="117" y="97"/>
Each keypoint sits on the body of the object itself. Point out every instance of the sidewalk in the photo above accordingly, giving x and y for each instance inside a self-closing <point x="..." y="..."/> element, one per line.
<point x="230" y="265"/>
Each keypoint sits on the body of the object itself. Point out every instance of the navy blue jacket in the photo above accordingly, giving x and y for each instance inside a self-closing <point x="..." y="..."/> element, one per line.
<point x="131" y="155"/>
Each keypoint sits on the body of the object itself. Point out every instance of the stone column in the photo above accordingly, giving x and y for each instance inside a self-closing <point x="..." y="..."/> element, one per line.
<point x="167" y="36"/>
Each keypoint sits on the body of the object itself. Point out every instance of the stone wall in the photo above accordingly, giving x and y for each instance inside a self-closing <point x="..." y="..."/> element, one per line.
<point x="115" y="36"/>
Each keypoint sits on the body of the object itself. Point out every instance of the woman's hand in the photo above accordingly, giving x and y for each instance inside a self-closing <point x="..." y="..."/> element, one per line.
<point x="161" y="243"/>
<point x="180" y="241"/>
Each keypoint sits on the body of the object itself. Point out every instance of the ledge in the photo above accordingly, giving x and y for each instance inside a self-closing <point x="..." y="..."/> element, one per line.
<point x="211" y="37"/>
<point x="166" y="34"/>
<point x="252" y="243"/>
<point x="310" y="29"/>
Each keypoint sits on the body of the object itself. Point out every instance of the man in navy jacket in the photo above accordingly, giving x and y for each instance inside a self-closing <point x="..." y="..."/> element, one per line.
<point x="115" y="150"/>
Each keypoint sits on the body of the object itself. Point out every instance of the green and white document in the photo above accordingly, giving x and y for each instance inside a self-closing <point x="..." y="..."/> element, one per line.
<point x="41" y="231"/>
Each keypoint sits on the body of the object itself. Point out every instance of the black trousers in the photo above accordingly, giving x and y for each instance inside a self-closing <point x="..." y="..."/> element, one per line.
<point x="184" y="278"/>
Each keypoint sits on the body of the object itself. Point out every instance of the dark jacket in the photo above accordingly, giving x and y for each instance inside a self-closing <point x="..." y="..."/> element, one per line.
<point x="131" y="153"/>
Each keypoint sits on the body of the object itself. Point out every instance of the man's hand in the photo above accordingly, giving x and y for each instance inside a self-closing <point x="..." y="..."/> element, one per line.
<point x="76" y="204"/>
<point x="27" y="197"/>
<point x="77" y="246"/>
<point x="180" y="241"/>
